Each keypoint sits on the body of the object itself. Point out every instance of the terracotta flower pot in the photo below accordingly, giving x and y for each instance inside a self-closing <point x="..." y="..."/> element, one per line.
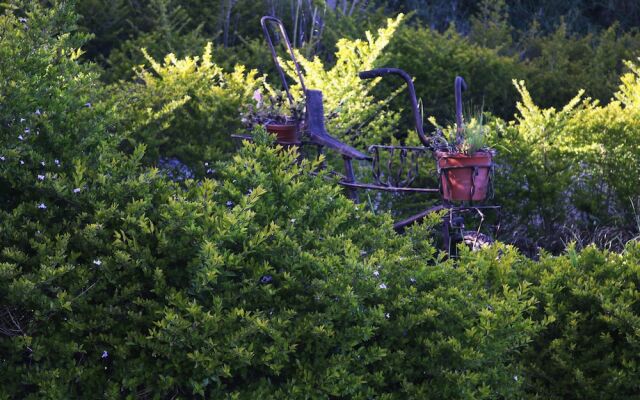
<point x="464" y="177"/>
<point x="285" y="133"/>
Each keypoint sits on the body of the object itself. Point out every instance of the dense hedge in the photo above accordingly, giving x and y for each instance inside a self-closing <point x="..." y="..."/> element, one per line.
<point x="435" y="59"/>
<point x="264" y="280"/>
<point x="588" y="302"/>
<point x="118" y="282"/>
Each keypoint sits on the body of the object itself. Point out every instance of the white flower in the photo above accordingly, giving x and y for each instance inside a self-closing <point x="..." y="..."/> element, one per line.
<point x="382" y="286"/>
<point x="412" y="280"/>
<point x="56" y="161"/>
<point x="27" y="130"/>
<point x="38" y="112"/>
<point x="42" y="163"/>
<point x="87" y="105"/>
<point x="22" y="120"/>
<point x="42" y="206"/>
<point x="257" y="96"/>
<point x="292" y="220"/>
<point x="76" y="190"/>
<point x="97" y="262"/>
<point x="387" y="315"/>
<point x="40" y="177"/>
<point x="105" y="354"/>
<point x="376" y="273"/>
<point x="2" y="158"/>
<point x="20" y="137"/>
<point x="515" y="378"/>
<point x="21" y="162"/>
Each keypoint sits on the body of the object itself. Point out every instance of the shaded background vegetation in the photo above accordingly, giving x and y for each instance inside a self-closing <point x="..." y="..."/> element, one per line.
<point x="557" y="47"/>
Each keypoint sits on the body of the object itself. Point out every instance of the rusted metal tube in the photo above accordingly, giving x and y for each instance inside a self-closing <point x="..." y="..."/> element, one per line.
<point x="263" y="21"/>
<point x="379" y="72"/>
<point x="459" y="86"/>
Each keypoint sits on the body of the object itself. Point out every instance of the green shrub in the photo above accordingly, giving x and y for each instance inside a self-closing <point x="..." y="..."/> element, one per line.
<point x="560" y="64"/>
<point x="116" y="282"/>
<point x="267" y="282"/>
<point x="610" y="139"/>
<point x="185" y="108"/>
<point x="535" y="172"/>
<point x="574" y="168"/>
<point x="591" y="348"/>
<point x="490" y="26"/>
<point x="63" y="182"/>
<point x="588" y="304"/>
<point x="51" y="115"/>
<point x="434" y="59"/>
<point x="123" y="61"/>
<point x="348" y="311"/>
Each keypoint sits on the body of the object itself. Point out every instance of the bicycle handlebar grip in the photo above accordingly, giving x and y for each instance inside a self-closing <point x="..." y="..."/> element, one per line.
<point x="379" y="72"/>
<point x="374" y="73"/>
<point x="461" y="83"/>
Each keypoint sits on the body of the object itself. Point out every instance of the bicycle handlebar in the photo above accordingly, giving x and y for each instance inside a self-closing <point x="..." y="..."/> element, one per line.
<point x="380" y="72"/>
<point x="265" y="30"/>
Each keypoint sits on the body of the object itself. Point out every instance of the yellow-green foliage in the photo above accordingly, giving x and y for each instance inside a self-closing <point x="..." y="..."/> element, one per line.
<point x="186" y="108"/>
<point x="610" y="139"/>
<point x="580" y="164"/>
<point x="629" y="92"/>
<point x="360" y="119"/>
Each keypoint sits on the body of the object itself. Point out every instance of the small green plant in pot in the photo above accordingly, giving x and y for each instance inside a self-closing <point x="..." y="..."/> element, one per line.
<point x="277" y="114"/>
<point x="471" y="138"/>
<point x="463" y="159"/>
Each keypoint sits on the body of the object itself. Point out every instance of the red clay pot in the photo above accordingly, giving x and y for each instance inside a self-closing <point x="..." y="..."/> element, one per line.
<point x="464" y="177"/>
<point x="285" y="133"/>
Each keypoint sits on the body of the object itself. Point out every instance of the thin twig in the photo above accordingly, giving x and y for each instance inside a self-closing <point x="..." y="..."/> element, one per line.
<point x="85" y="291"/>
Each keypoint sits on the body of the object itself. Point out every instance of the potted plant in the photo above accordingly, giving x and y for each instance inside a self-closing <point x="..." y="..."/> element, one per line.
<point x="464" y="161"/>
<point x="277" y="114"/>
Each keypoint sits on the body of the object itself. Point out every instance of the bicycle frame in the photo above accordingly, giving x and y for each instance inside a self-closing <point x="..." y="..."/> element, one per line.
<point x="385" y="179"/>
